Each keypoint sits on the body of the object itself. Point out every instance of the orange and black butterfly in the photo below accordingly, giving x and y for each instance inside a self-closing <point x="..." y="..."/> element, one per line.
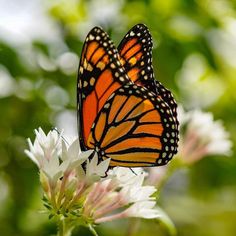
<point x="123" y="113"/>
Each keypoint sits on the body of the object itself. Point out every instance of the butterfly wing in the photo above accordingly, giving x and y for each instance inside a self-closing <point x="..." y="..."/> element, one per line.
<point x="100" y="74"/>
<point x="136" y="56"/>
<point x="134" y="128"/>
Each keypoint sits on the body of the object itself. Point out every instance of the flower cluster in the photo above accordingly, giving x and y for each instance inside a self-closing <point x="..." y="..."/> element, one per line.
<point x="80" y="188"/>
<point x="201" y="136"/>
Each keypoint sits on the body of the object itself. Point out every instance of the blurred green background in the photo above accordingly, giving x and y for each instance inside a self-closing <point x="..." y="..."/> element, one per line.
<point x="194" y="55"/>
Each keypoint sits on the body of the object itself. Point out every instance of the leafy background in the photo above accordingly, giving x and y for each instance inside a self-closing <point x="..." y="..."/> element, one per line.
<point x="194" y="55"/>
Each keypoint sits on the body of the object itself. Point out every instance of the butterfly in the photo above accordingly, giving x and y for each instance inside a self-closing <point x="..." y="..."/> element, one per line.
<point x="124" y="113"/>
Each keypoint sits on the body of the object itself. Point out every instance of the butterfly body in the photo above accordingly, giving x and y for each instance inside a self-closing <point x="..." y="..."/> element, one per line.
<point x="124" y="114"/>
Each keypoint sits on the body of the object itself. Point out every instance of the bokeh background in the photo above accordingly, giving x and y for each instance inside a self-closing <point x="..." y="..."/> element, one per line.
<point x="194" y="55"/>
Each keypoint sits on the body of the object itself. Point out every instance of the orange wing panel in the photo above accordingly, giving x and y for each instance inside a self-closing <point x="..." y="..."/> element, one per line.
<point x="132" y="51"/>
<point x="97" y="56"/>
<point x="117" y="103"/>
<point x="129" y="164"/>
<point x="132" y="101"/>
<point x="103" y="82"/>
<point x="133" y="73"/>
<point x="144" y="142"/>
<point x="90" y="49"/>
<point x="155" y="129"/>
<point x="152" y="115"/>
<point x="137" y="156"/>
<point x="117" y="132"/>
<point x="127" y="46"/>
<point x="89" y="113"/>
<point x="107" y="94"/>
<point x="100" y="126"/>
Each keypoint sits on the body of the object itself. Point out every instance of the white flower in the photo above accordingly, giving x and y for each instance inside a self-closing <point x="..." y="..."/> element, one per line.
<point x="127" y="177"/>
<point x="44" y="147"/>
<point x="201" y="136"/>
<point x="144" y="209"/>
<point x="131" y="194"/>
<point x="72" y="156"/>
<point x="47" y="142"/>
<point x="93" y="167"/>
<point x="132" y="184"/>
<point x="77" y="184"/>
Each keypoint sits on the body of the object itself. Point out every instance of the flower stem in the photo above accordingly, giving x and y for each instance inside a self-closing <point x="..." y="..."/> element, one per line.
<point x="92" y="230"/>
<point x="64" y="229"/>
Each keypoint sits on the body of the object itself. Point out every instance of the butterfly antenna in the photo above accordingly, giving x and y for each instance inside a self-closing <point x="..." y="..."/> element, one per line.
<point x="60" y="133"/>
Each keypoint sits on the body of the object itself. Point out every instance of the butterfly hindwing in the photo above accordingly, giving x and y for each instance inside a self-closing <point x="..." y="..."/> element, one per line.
<point x="100" y="74"/>
<point x="134" y="128"/>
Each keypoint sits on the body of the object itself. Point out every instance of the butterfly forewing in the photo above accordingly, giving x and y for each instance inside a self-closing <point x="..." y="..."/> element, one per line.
<point x="100" y="74"/>
<point x="136" y="56"/>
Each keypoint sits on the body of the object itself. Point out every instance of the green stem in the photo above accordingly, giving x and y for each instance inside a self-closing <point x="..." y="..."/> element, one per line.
<point x="92" y="230"/>
<point x="64" y="228"/>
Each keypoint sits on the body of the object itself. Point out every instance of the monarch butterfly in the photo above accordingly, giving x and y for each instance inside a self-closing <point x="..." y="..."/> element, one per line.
<point x="123" y="113"/>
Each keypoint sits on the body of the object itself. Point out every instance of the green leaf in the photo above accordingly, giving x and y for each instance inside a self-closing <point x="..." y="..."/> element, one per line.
<point x="47" y="206"/>
<point x="50" y="216"/>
